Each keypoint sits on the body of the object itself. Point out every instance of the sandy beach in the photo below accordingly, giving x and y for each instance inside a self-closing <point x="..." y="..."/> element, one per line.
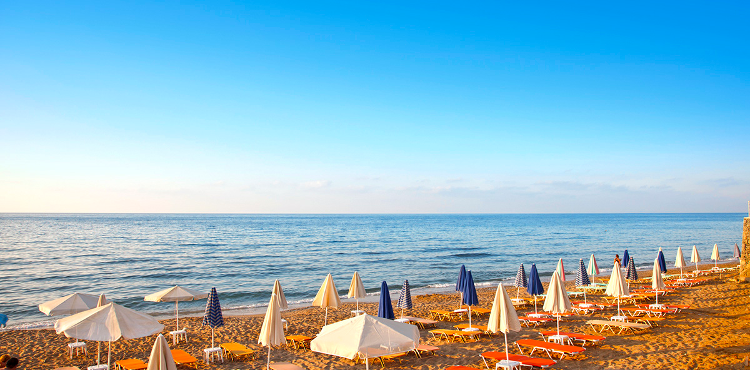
<point x="711" y="334"/>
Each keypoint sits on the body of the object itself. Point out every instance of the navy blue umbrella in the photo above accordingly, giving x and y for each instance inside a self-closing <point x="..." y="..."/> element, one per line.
<point x="460" y="281"/>
<point x="535" y="284"/>
<point x="404" y="299"/>
<point x="625" y="258"/>
<point x="469" y="294"/>
<point x="212" y="317"/>
<point x="385" y="307"/>
<point x="662" y="262"/>
<point x="632" y="274"/>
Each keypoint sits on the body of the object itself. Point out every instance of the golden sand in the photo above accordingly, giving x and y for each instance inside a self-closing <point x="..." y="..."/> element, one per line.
<point x="712" y="334"/>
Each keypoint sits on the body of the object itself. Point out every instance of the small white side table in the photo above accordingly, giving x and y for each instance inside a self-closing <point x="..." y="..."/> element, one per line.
<point x="177" y="335"/>
<point x="77" y="346"/>
<point x="508" y="365"/>
<point x="98" y="367"/>
<point x="357" y="312"/>
<point x="619" y="318"/>
<point x="405" y="321"/>
<point x="209" y="353"/>
<point x="559" y="339"/>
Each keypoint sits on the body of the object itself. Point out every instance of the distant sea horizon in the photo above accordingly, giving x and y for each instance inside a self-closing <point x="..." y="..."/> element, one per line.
<point x="129" y="255"/>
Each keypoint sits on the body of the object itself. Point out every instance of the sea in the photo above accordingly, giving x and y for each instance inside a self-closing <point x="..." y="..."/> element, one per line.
<point x="128" y="256"/>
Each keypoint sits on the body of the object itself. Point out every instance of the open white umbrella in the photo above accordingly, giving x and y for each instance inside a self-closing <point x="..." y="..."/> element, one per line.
<point x="175" y="294"/>
<point x="695" y="257"/>
<point x="503" y="316"/>
<point x="327" y="296"/>
<point x="656" y="281"/>
<point x="617" y="286"/>
<point x="356" y="289"/>
<point x="69" y="305"/>
<point x="272" y="330"/>
<point x="101" y="302"/>
<point x="161" y="356"/>
<point x="715" y="255"/>
<point x="556" y="300"/>
<point x="680" y="260"/>
<point x="280" y="295"/>
<point x="107" y="324"/>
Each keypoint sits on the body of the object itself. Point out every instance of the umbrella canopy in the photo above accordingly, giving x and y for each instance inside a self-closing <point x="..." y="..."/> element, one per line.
<point x="695" y="257"/>
<point x="272" y="330"/>
<point x="161" y="356"/>
<point x="70" y="304"/>
<point x="175" y="294"/>
<point x="327" y="296"/>
<point x="582" y="278"/>
<point x="679" y="260"/>
<point x="460" y="281"/>
<point x="535" y="286"/>
<point x="617" y="286"/>
<point x="625" y="259"/>
<point x="662" y="261"/>
<point x="632" y="273"/>
<point x="737" y="253"/>
<point x="557" y="298"/>
<point x="715" y="254"/>
<point x="385" y="307"/>
<point x="560" y="270"/>
<point x="366" y="336"/>
<point x="404" y="298"/>
<point x="503" y="316"/>
<point x="521" y="280"/>
<point x="212" y="316"/>
<point x="593" y="269"/>
<point x="108" y="323"/>
<point x="357" y="289"/>
<point x="280" y="295"/>
<point x="657" y="283"/>
<point x="469" y="296"/>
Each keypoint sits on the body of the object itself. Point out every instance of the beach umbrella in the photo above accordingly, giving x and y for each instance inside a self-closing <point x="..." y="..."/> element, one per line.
<point x="656" y="281"/>
<point x="108" y="323"/>
<point x="560" y="270"/>
<point x="404" y="298"/>
<point x="470" y="294"/>
<point x="632" y="273"/>
<point x="385" y="307"/>
<point x="175" y="294"/>
<point x="272" y="330"/>
<point x="161" y="356"/>
<point x="327" y="296"/>
<point x="212" y="316"/>
<point x="593" y="268"/>
<point x="366" y="337"/>
<point x="680" y="260"/>
<point x="535" y="286"/>
<point x="69" y="305"/>
<point x="617" y="286"/>
<point x="100" y="302"/>
<point x="460" y="282"/>
<point x="715" y="254"/>
<point x="280" y="295"/>
<point x="695" y="257"/>
<point x="503" y="316"/>
<point x="356" y="289"/>
<point x="625" y="259"/>
<point x="521" y="281"/>
<point x="556" y="301"/>
<point x="662" y="261"/>
<point x="737" y="253"/>
<point x="582" y="278"/>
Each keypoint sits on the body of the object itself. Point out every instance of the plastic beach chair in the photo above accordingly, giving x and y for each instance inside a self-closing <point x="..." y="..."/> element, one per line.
<point x="181" y="357"/>
<point x="131" y="364"/>
<point x="236" y="350"/>
<point x="524" y="360"/>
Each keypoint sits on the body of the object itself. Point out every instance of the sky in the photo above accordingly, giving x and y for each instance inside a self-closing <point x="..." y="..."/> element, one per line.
<point x="374" y="107"/>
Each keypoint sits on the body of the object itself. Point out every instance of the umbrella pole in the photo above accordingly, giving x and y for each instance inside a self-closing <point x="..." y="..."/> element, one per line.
<point x="268" y="361"/>
<point x="109" y="355"/>
<point x="367" y="363"/>
<point x="506" y="345"/>
<point x="469" y="317"/>
<point x="558" y="324"/>
<point x="357" y="299"/>
<point x="402" y="312"/>
<point x="98" y="352"/>
<point x="584" y="296"/>
<point x="177" y="313"/>
<point x="535" y="311"/>
<point x="657" y="296"/>
<point x="618" y="306"/>
<point x="212" y="337"/>
<point x="325" y="322"/>
<point x="517" y="290"/>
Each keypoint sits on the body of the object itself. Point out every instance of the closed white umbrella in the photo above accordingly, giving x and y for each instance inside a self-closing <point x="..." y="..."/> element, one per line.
<point x="557" y="300"/>
<point x="279" y="293"/>
<point x="107" y="324"/>
<point x="695" y="257"/>
<point x="175" y="294"/>
<point x="560" y="270"/>
<point x="656" y="281"/>
<point x="617" y="286"/>
<point x="593" y="268"/>
<point x="715" y="255"/>
<point x="356" y="289"/>
<point x="272" y="330"/>
<point x="327" y="296"/>
<point x="503" y="316"/>
<point x="161" y="356"/>
<point x="679" y="260"/>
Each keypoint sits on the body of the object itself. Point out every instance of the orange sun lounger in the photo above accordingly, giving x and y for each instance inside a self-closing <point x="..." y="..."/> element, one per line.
<point x="549" y="348"/>
<point x="181" y="357"/>
<point x="524" y="360"/>
<point x="594" y="339"/>
<point x="536" y="321"/>
<point x="131" y="364"/>
<point x="235" y="350"/>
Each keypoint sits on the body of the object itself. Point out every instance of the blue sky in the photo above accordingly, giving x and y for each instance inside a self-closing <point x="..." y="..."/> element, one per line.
<point x="374" y="107"/>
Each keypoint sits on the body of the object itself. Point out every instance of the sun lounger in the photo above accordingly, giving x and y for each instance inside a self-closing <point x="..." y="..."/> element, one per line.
<point x="445" y="315"/>
<point x="585" y="338"/>
<point x="181" y="357"/>
<point x="549" y="348"/>
<point x="421" y="323"/>
<point x="298" y="341"/>
<point x="482" y="328"/>
<point x="477" y="311"/>
<point x="452" y="335"/>
<point x="460" y="368"/>
<point x="131" y="364"/>
<point x="286" y="366"/>
<point x="603" y="325"/>
<point x="524" y="360"/>
<point x="235" y="350"/>
<point x="535" y="321"/>
<point x="423" y="348"/>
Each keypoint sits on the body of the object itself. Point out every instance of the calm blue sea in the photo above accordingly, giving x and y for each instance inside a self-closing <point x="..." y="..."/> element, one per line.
<point x="127" y="256"/>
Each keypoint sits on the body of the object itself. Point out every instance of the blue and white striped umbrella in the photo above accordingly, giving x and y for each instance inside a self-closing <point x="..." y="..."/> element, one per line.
<point x="582" y="278"/>
<point x="213" y="317"/>
<point x="404" y="299"/>
<point x="632" y="274"/>
<point x="521" y="281"/>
